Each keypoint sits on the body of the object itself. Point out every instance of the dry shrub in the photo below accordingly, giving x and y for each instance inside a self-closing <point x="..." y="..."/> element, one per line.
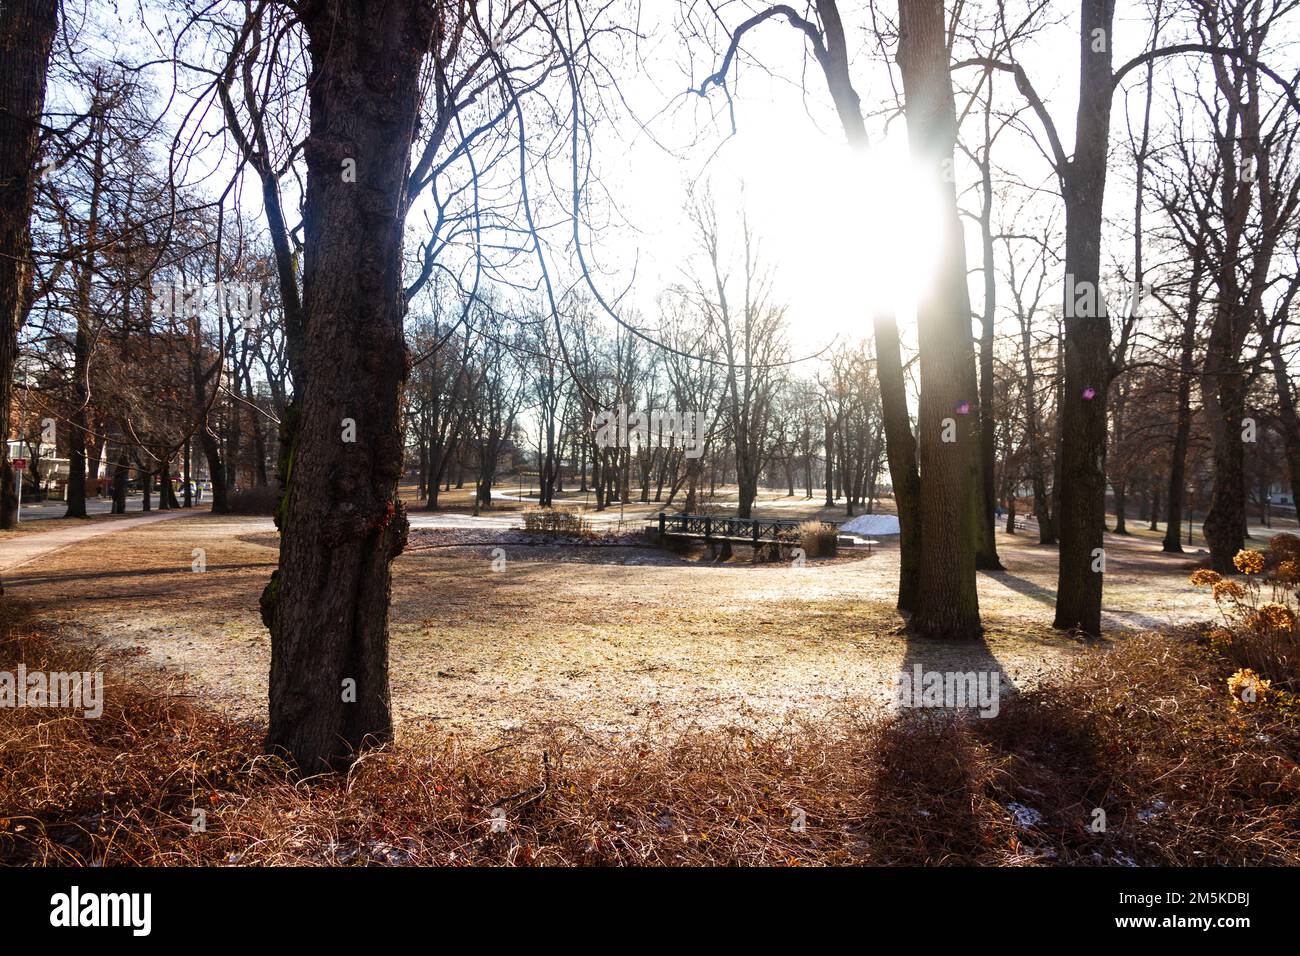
<point x="1283" y="547"/>
<point x="1269" y="652"/>
<point x="254" y="501"/>
<point x="1142" y="732"/>
<point x="818" y="539"/>
<point x="556" y="521"/>
<point x="1261" y="612"/>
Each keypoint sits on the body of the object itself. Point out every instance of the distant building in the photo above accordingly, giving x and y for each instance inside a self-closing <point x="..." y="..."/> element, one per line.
<point x="43" y="453"/>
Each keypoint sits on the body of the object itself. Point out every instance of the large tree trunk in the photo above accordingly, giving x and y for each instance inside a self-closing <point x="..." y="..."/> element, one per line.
<point x="185" y="474"/>
<point x="747" y="490"/>
<point x="79" y="420"/>
<point x="986" y="553"/>
<point x="216" y="469"/>
<point x="830" y="463"/>
<point x="949" y="605"/>
<point x="1120" y="490"/>
<point x="1033" y="428"/>
<point x="1183" y="429"/>
<point x="77" y="424"/>
<point x="163" y="473"/>
<point x="1224" y="381"/>
<point x="26" y="35"/>
<point x="900" y="450"/>
<point x="1082" y="450"/>
<point x="692" y="503"/>
<point x="342" y="522"/>
<point x="1223" y="395"/>
<point x="120" y="476"/>
<point x="167" y="490"/>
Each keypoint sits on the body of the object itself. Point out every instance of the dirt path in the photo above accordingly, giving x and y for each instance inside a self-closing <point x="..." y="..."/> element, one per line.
<point x="20" y="549"/>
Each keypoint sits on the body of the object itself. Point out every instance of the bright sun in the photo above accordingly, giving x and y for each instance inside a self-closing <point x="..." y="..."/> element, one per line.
<point x="845" y="232"/>
<point x="892" y="223"/>
<point x="852" y="233"/>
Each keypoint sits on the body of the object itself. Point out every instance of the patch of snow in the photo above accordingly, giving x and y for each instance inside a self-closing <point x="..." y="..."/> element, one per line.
<point x="871" y="525"/>
<point x="1025" y="816"/>
<point x="1146" y="816"/>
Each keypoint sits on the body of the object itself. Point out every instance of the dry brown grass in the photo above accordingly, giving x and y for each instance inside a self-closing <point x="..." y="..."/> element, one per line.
<point x="818" y="539"/>
<point x="1146" y="732"/>
<point x="556" y="521"/>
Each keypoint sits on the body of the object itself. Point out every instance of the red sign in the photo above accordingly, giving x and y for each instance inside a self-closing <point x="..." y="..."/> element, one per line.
<point x="20" y="464"/>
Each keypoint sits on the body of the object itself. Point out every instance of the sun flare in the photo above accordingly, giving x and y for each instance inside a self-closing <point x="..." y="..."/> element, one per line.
<point x="894" y="226"/>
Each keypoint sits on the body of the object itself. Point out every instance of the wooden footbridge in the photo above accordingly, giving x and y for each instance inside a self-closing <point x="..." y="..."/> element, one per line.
<point x="720" y="529"/>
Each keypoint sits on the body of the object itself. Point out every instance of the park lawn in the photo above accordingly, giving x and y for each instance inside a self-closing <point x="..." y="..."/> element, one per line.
<point x="610" y="641"/>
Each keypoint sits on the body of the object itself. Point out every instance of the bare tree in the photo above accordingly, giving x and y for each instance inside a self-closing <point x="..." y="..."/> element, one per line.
<point x="26" y="37"/>
<point x="750" y="332"/>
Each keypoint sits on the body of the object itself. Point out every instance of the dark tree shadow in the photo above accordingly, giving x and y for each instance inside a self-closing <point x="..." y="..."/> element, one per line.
<point x="933" y="655"/>
<point x="952" y="787"/>
<point x="1035" y="592"/>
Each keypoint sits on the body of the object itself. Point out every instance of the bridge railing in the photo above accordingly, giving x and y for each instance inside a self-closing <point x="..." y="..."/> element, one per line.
<point x="725" y="528"/>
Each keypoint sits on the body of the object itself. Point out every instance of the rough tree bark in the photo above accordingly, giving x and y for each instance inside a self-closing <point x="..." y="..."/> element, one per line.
<point x="1223" y="392"/>
<point x="26" y="36"/>
<point x="949" y="605"/>
<point x="341" y="520"/>
<point x="1082" y="451"/>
